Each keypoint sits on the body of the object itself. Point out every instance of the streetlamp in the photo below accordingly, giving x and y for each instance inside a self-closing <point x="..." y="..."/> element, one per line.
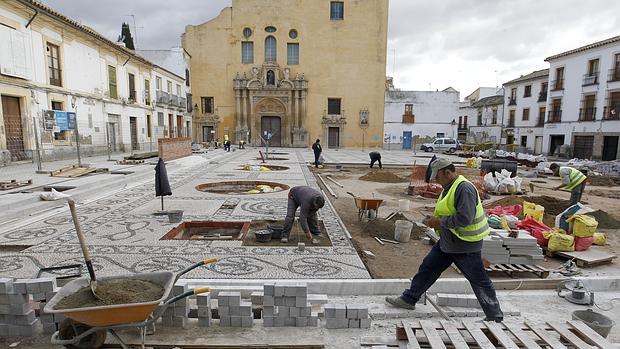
<point x="77" y="132"/>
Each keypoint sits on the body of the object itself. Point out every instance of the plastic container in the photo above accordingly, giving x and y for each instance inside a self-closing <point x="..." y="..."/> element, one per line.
<point x="175" y="216"/>
<point x="403" y="205"/>
<point x="402" y="230"/>
<point x="600" y="323"/>
<point x="263" y="235"/>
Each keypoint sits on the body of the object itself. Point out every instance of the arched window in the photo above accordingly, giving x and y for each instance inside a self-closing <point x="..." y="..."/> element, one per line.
<point x="270" y="49"/>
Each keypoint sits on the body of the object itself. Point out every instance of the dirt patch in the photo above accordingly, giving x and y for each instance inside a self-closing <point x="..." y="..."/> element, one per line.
<point x="603" y="181"/>
<point x="605" y="221"/>
<point x="605" y="194"/>
<point x="383" y="176"/>
<point x="295" y="236"/>
<point x="385" y="229"/>
<point x="112" y="292"/>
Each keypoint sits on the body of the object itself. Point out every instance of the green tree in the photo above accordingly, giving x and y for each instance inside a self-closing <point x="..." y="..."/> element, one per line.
<point x="125" y="37"/>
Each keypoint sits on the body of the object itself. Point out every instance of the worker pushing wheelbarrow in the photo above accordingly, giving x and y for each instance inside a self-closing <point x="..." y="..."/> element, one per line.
<point x="366" y="207"/>
<point x="87" y="327"/>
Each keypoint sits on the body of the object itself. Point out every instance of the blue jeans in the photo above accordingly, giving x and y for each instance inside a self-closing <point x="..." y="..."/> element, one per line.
<point x="470" y="264"/>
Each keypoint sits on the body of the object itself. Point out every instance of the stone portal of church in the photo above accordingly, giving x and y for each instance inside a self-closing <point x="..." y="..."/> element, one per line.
<point x="271" y="104"/>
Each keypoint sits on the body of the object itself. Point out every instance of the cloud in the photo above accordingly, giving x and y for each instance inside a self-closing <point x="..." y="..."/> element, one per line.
<point x="459" y="43"/>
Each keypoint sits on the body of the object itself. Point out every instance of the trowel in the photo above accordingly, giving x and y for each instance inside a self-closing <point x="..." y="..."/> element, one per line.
<point x="89" y="264"/>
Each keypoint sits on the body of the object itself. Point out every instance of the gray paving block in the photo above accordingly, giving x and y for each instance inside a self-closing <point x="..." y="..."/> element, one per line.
<point x="301" y="301"/>
<point x="46" y="318"/>
<point x="222" y="301"/>
<point x="257" y="298"/>
<point x="25" y="319"/>
<point x="290" y="291"/>
<point x="20" y="309"/>
<point x="301" y="290"/>
<point x="305" y="311"/>
<point x="32" y="286"/>
<point x="6" y="285"/>
<point x="203" y="299"/>
<point x="329" y="310"/>
<point x="351" y="313"/>
<point x="290" y="301"/>
<point x="169" y="312"/>
<point x="354" y="323"/>
<point x="365" y="323"/>
<point x="269" y="289"/>
<point x="278" y="321"/>
<point x="204" y="322"/>
<point x="332" y="323"/>
<point x="301" y="321"/>
<point x="235" y="321"/>
<point x="31" y="330"/>
<point x="181" y="312"/>
<point x="268" y="321"/>
<point x="4" y="298"/>
<point x="203" y="312"/>
<point x="37" y="297"/>
<point x="279" y="301"/>
<point x="19" y="286"/>
<point x="313" y="321"/>
<point x="166" y="321"/>
<point x="289" y="322"/>
<point x="224" y="321"/>
<point x="268" y="311"/>
<point x="5" y="308"/>
<point x="58" y="318"/>
<point x="318" y="299"/>
<point x="247" y="321"/>
<point x="279" y="290"/>
<point x="177" y="290"/>
<point x="47" y="328"/>
<point x="223" y="310"/>
<point x="4" y="330"/>
<point x="294" y="312"/>
<point x="341" y="311"/>
<point x="283" y="311"/>
<point x="18" y="298"/>
<point x="268" y="301"/>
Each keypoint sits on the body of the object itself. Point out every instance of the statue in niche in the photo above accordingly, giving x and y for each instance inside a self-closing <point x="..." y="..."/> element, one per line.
<point x="254" y="73"/>
<point x="287" y="73"/>
<point x="271" y="78"/>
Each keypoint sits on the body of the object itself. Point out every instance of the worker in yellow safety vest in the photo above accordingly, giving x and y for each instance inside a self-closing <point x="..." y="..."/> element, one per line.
<point x="461" y="224"/>
<point x="572" y="179"/>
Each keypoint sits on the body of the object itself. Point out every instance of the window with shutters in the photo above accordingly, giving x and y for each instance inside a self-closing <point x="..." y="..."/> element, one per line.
<point x="112" y="82"/>
<point x="160" y="119"/>
<point x="526" y="114"/>
<point x="147" y="92"/>
<point x="336" y="12"/>
<point x="207" y="105"/>
<point x="271" y="51"/>
<point x="53" y="64"/>
<point x="334" y="106"/>
<point x="247" y="52"/>
<point x="292" y="53"/>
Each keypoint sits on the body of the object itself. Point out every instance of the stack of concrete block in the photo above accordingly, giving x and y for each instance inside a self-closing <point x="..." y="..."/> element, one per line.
<point x="203" y="302"/>
<point x="346" y="316"/>
<point x="287" y="305"/>
<point x="17" y="314"/>
<point x="457" y="300"/>
<point x="48" y="290"/>
<point x="523" y="249"/>
<point x="176" y="314"/>
<point x="494" y="251"/>
<point x="233" y="311"/>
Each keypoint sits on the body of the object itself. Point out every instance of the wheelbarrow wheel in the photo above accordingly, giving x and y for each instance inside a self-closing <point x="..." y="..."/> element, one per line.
<point x="69" y="329"/>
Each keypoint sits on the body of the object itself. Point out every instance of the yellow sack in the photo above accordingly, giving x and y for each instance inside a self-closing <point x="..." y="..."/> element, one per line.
<point x="263" y="168"/>
<point x="582" y="226"/>
<point x="559" y="242"/>
<point x="533" y="210"/>
<point x="599" y="239"/>
<point x="470" y="163"/>
<point x="253" y="191"/>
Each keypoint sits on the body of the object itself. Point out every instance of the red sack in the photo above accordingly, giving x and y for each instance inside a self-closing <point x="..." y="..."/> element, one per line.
<point x="540" y="239"/>
<point x="535" y="228"/>
<point x="582" y="244"/>
<point x="513" y="210"/>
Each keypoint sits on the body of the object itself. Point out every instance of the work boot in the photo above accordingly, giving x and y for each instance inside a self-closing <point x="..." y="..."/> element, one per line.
<point x="496" y="319"/>
<point x="284" y="240"/>
<point x="399" y="302"/>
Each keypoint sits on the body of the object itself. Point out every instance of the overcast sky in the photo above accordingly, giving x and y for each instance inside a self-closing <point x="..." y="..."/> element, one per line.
<point x="431" y="44"/>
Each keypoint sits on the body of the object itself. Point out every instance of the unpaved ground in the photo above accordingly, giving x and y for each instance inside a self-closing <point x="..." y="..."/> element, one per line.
<point x="403" y="260"/>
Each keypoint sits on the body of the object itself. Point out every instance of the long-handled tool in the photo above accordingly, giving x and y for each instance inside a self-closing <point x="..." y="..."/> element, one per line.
<point x="89" y="264"/>
<point x="532" y="186"/>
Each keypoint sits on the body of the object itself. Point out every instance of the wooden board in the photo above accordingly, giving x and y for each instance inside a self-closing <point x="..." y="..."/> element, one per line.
<point x="142" y="156"/>
<point x="550" y="340"/>
<point x="412" y="342"/>
<point x="130" y="162"/>
<point x="434" y="339"/>
<point x="12" y="184"/>
<point x="481" y="339"/>
<point x="569" y="336"/>
<point x="72" y="171"/>
<point x="588" y="258"/>
<point x="516" y="270"/>
<point x="224" y="346"/>
<point x="454" y="334"/>
<point x="590" y="335"/>
<point x="500" y="335"/>
<point x="523" y="337"/>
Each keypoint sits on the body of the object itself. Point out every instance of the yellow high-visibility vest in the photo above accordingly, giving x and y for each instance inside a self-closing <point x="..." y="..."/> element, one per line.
<point x="575" y="177"/>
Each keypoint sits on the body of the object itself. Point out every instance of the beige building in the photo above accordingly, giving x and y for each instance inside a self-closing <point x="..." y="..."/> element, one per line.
<point x="293" y="69"/>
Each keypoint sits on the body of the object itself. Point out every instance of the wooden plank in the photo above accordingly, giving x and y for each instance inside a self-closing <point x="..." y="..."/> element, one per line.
<point x="500" y="335"/>
<point x="453" y="333"/>
<point x="481" y="339"/>
<point x="523" y="337"/>
<point x="590" y="257"/>
<point x="434" y="339"/>
<point x="569" y="336"/>
<point x="589" y="335"/>
<point x="551" y="341"/>
<point x="412" y="340"/>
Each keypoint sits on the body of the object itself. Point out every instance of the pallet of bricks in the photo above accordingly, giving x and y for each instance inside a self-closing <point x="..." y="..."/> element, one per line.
<point x="21" y="307"/>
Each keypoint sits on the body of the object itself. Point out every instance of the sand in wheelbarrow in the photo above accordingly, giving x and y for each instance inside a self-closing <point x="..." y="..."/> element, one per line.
<point x="385" y="229"/>
<point x="382" y="176"/>
<point x="112" y="292"/>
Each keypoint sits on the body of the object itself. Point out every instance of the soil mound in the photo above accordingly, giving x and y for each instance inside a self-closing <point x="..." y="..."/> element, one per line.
<point x="610" y="194"/>
<point x="385" y="229"/>
<point x="553" y="206"/>
<point x="112" y="292"/>
<point x="383" y="176"/>
<point x="605" y="221"/>
<point x="604" y="181"/>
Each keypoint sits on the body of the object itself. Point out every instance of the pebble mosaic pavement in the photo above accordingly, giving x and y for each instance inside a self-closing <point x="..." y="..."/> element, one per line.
<point x="123" y="234"/>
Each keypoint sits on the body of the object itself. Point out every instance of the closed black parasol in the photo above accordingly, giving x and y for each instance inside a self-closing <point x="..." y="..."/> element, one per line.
<point x="162" y="186"/>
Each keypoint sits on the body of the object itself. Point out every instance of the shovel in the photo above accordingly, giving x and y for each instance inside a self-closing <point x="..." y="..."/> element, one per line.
<point x="89" y="264"/>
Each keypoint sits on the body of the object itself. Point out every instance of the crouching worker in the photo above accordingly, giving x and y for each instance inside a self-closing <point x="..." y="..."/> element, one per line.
<point x="572" y="179"/>
<point x="375" y="156"/>
<point x="310" y="200"/>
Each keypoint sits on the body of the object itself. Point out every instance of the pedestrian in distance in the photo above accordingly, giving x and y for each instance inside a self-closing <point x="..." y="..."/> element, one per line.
<point x="572" y="179"/>
<point x="461" y="224"/>
<point x="309" y="201"/>
<point x="317" y="149"/>
<point x="375" y="156"/>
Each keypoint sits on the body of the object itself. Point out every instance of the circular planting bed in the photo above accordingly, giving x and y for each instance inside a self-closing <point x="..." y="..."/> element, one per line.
<point x="242" y="187"/>
<point x="263" y="168"/>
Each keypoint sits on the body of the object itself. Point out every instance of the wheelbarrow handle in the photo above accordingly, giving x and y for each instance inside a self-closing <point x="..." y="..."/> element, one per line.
<point x="187" y="294"/>
<point x="353" y="195"/>
<point x="192" y="267"/>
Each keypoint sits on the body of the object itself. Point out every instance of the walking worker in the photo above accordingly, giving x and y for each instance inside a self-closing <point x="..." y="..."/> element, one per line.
<point x="374" y="157"/>
<point x="461" y="223"/>
<point x="310" y="201"/>
<point x="317" y="149"/>
<point x="572" y="179"/>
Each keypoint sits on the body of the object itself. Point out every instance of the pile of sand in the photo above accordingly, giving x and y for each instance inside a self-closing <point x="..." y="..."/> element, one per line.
<point x="111" y="292"/>
<point x="383" y="176"/>
<point x="603" y="181"/>
<point x="385" y="229"/>
<point x="605" y="221"/>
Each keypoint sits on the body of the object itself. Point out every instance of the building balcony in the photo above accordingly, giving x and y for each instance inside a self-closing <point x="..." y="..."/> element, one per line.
<point x="542" y="97"/>
<point x="183" y="103"/>
<point x="511" y="123"/>
<point x="132" y="97"/>
<point x="540" y="122"/>
<point x="612" y="112"/>
<point x="408" y="119"/>
<point x="174" y="100"/>
<point x="587" y="114"/>
<point x="557" y="85"/>
<point x="590" y="79"/>
<point x="162" y="97"/>
<point x="554" y="116"/>
<point x="614" y="75"/>
<point x="463" y="127"/>
<point x="512" y="100"/>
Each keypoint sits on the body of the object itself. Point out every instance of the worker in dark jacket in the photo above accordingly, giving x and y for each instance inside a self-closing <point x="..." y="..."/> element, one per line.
<point x="310" y="201"/>
<point x="316" y="148"/>
<point x="374" y="157"/>
<point x="461" y="224"/>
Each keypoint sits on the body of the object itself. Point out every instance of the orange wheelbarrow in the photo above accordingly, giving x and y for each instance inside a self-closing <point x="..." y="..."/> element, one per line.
<point x="366" y="207"/>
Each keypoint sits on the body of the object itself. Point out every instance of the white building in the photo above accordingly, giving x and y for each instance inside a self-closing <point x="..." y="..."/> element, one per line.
<point x="525" y="110"/>
<point x="468" y="114"/>
<point x="56" y="73"/>
<point x="583" y="106"/>
<point x="415" y="117"/>
<point x="487" y="126"/>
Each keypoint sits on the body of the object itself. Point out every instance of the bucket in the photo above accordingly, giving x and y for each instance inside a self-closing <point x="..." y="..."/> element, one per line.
<point x="175" y="216"/>
<point x="403" y="205"/>
<point x="600" y="323"/>
<point x="402" y="230"/>
<point x="276" y="230"/>
<point x="263" y="235"/>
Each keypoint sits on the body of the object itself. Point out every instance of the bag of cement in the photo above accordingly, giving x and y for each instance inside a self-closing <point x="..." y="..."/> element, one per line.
<point x="533" y="210"/>
<point x="53" y="195"/>
<point x="494" y="221"/>
<point x="582" y="226"/>
<point x="599" y="239"/>
<point x="506" y="185"/>
<point x="559" y="241"/>
<point x="490" y="182"/>
<point x="561" y="219"/>
<point x="582" y="244"/>
<point x="512" y="221"/>
<point x="518" y="182"/>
